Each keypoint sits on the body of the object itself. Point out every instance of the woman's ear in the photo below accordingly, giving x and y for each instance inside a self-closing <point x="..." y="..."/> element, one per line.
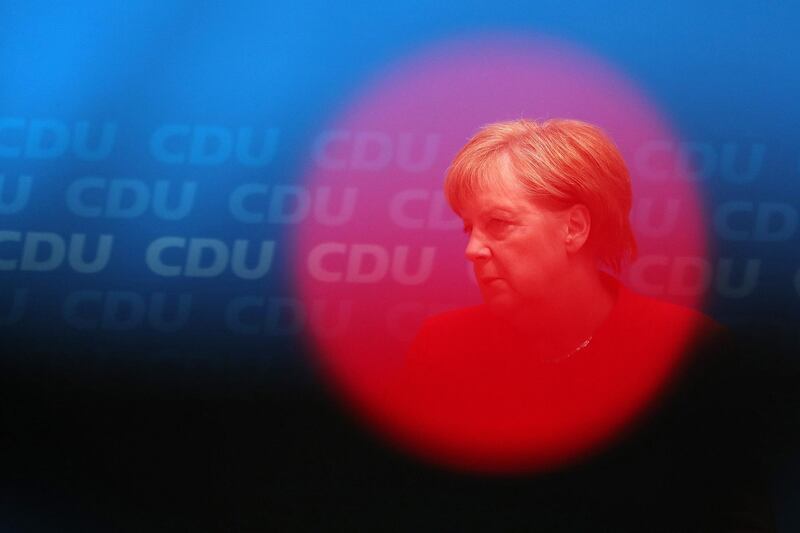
<point x="578" y="224"/>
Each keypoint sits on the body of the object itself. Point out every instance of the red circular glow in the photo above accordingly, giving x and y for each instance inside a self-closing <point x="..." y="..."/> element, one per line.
<point x="370" y="281"/>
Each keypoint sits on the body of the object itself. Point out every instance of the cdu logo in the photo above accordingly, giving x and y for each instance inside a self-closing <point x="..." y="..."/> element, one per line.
<point x="93" y="197"/>
<point x="204" y="145"/>
<point x="51" y="138"/>
<point x="35" y="251"/>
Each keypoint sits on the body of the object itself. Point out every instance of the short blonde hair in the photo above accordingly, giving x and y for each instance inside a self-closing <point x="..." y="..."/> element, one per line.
<point x="559" y="162"/>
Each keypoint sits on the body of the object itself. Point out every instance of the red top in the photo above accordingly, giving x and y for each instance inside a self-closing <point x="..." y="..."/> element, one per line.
<point x="474" y="396"/>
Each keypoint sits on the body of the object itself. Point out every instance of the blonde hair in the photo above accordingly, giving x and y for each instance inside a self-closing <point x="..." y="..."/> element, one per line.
<point x="560" y="162"/>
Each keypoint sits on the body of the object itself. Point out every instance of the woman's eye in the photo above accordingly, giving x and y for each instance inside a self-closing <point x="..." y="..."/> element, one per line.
<point x="498" y="224"/>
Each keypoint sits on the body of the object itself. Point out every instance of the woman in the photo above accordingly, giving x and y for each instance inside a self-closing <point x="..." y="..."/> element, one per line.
<point x="561" y="357"/>
<point x="562" y="368"/>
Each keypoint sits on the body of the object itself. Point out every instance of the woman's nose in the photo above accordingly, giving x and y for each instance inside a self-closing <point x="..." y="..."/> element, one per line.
<point x="476" y="249"/>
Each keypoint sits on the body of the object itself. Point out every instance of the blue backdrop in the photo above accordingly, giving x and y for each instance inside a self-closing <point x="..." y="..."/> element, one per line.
<point x="126" y="129"/>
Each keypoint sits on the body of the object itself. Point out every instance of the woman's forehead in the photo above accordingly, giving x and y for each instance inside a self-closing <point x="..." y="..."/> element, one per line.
<point x="499" y="200"/>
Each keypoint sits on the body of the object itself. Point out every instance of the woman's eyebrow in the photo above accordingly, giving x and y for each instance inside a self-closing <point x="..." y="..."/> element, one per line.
<point x="498" y="210"/>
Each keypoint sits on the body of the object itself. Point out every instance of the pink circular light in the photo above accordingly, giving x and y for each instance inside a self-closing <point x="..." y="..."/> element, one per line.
<point x="399" y="257"/>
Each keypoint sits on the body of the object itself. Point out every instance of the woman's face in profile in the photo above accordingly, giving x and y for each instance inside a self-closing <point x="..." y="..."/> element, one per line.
<point x="517" y="247"/>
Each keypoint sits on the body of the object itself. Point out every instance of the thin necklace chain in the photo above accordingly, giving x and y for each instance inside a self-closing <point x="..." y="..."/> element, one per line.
<point x="569" y="354"/>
